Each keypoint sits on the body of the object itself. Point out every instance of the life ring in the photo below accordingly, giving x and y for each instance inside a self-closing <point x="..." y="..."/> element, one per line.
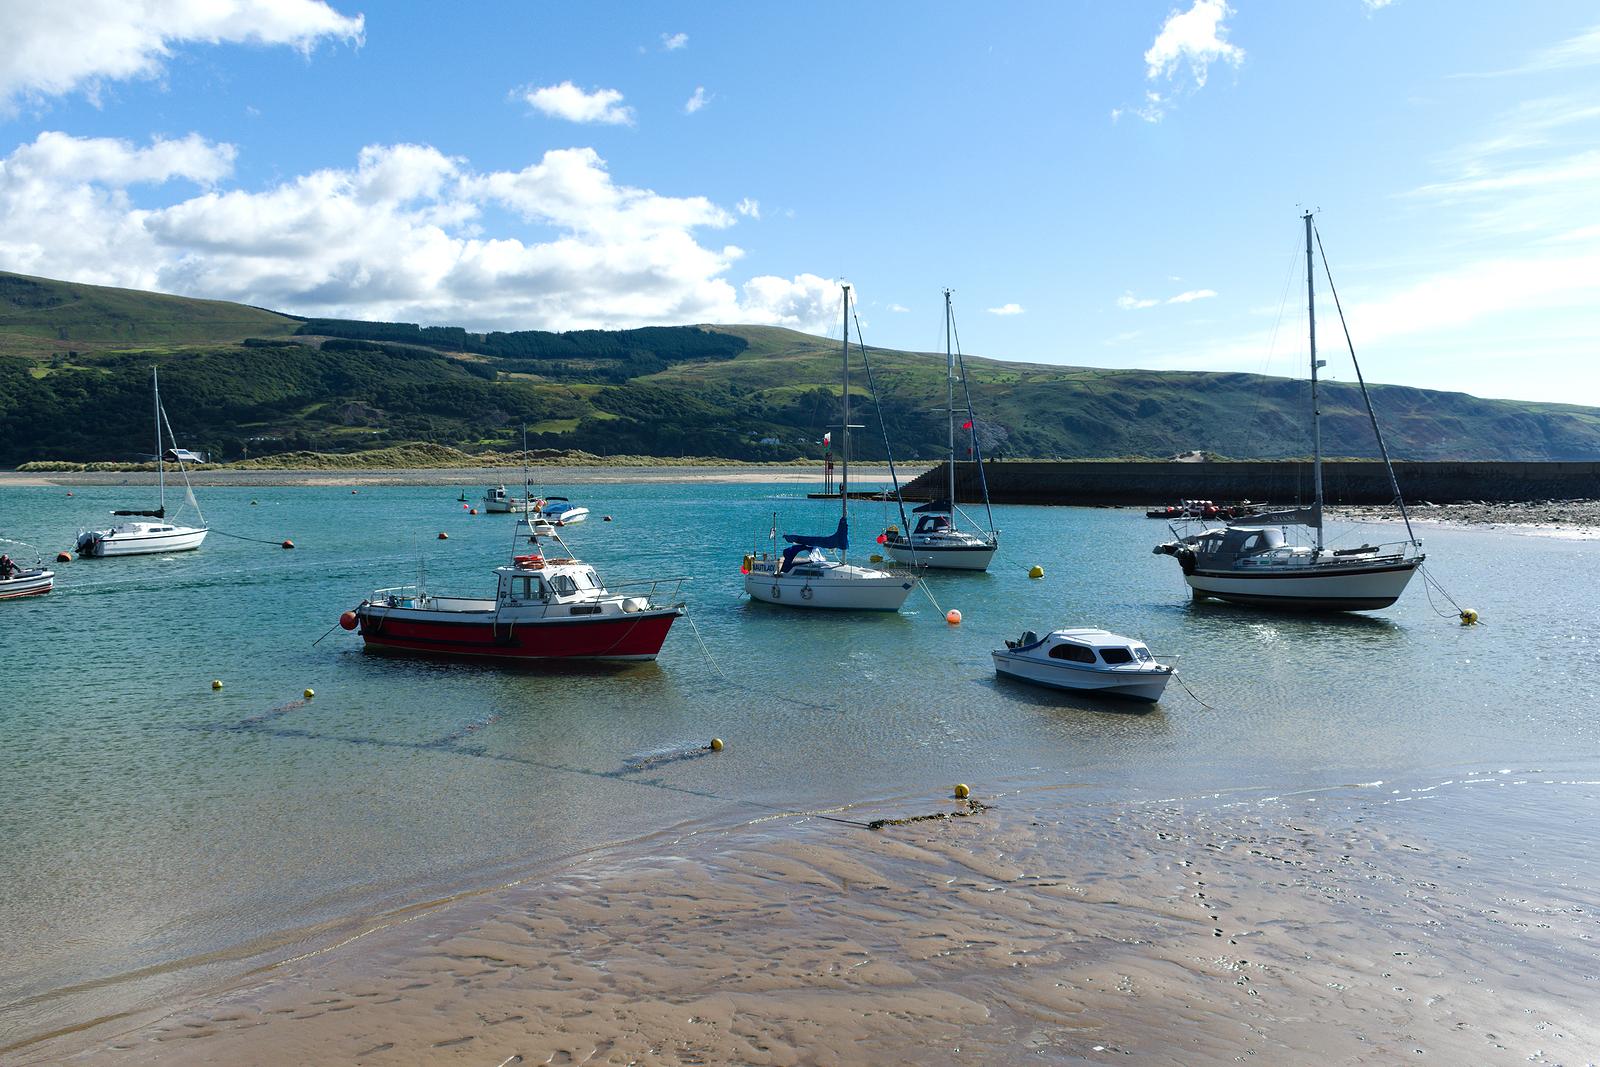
<point x="777" y="593"/>
<point x="528" y="563"/>
<point x="805" y="592"/>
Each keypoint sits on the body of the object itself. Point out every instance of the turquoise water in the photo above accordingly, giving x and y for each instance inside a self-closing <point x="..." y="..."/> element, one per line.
<point x="156" y="833"/>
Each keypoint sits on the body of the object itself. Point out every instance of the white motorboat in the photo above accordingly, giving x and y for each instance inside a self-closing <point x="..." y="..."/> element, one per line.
<point x="936" y="541"/>
<point x="1087" y="660"/>
<point x="496" y="499"/>
<point x="802" y="575"/>
<point x="20" y="582"/>
<point x="140" y="538"/>
<point x="559" y="511"/>
<point x="1253" y="559"/>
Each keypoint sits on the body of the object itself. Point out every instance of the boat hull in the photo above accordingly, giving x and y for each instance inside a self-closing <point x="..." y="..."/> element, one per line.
<point x="102" y="547"/>
<point x="27" y="583"/>
<point x="1326" y="588"/>
<point x="635" y="636"/>
<point x="1144" y="686"/>
<point x="942" y="557"/>
<point x="504" y="507"/>
<point x="887" y="593"/>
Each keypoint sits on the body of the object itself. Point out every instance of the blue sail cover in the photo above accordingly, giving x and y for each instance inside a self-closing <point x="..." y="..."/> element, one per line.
<point x="840" y="538"/>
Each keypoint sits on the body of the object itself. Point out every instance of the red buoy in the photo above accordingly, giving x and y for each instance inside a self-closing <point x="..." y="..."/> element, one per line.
<point x="287" y="543"/>
<point x="443" y="536"/>
<point x="348" y="620"/>
<point x="473" y="511"/>
<point x="63" y="557"/>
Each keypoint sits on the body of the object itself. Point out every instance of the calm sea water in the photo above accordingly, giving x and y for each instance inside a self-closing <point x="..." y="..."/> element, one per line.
<point x="153" y="831"/>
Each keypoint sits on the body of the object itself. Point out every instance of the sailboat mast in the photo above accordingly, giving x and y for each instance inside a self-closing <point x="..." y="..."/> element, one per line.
<point x="844" y="468"/>
<point x="1316" y="409"/>
<point x="161" y="468"/>
<point x="950" y="404"/>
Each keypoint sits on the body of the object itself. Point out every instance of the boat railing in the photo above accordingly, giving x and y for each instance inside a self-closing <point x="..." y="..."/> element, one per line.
<point x="652" y="590"/>
<point x="396" y="595"/>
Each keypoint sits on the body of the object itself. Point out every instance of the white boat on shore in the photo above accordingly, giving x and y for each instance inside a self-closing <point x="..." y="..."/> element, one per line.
<point x="1086" y="660"/>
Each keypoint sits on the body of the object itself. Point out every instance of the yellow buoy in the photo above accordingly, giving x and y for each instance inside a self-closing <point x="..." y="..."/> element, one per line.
<point x="962" y="792"/>
<point x="716" y="744"/>
<point x="216" y="683"/>
<point x="953" y="617"/>
<point x="310" y="693"/>
<point x="875" y="558"/>
<point x="1036" y="571"/>
<point x="1468" y="617"/>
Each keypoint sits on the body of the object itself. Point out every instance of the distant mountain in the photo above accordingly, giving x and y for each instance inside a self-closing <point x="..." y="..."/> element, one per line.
<point x="74" y="371"/>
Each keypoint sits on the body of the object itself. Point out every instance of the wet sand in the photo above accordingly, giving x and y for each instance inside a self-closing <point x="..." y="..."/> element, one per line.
<point x="732" y="473"/>
<point x="1452" y="921"/>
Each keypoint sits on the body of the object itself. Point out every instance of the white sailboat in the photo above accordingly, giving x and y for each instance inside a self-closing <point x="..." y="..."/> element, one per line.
<point x="140" y="538"/>
<point x="936" y="540"/>
<point x="803" y="575"/>
<point x="1253" y="559"/>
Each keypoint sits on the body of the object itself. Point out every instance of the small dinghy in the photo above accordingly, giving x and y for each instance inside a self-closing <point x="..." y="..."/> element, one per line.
<point x="559" y="511"/>
<point x="1088" y="661"/>
<point x="32" y="581"/>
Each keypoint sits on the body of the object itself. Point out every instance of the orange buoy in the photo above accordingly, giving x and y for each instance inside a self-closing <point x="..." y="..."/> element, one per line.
<point x="472" y="511"/>
<point x="287" y="543"/>
<point x="348" y="620"/>
<point x="63" y="557"/>
<point x="953" y="617"/>
<point x="443" y="536"/>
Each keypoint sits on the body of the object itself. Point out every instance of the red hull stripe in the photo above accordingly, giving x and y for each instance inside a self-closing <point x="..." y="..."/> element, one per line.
<point x="634" y="637"/>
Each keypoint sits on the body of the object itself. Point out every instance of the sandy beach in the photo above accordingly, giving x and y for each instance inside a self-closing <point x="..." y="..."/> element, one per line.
<point x="1363" y="924"/>
<point x="731" y="473"/>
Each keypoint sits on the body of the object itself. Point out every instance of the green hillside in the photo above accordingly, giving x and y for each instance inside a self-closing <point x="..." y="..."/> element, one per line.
<point x="238" y="381"/>
<point x="44" y="319"/>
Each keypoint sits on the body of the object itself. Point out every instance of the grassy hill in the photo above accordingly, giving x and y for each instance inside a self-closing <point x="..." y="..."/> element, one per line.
<point x="48" y="320"/>
<point x="239" y="381"/>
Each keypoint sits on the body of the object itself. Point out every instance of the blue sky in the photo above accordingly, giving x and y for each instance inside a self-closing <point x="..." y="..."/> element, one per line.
<point x="1102" y="184"/>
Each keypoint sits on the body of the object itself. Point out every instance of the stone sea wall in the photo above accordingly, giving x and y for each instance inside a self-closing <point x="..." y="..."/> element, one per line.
<point x="1344" y="481"/>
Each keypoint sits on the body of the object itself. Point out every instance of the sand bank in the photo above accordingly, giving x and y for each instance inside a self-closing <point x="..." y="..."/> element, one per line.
<point x="1451" y="922"/>
<point x="733" y="473"/>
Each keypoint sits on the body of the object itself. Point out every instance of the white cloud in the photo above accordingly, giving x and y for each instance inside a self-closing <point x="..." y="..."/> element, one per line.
<point x="671" y="42"/>
<point x="49" y="49"/>
<point x="1376" y="5"/>
<point x="697" y="101"/>
<point x="1006" y="309"/>
<point x="899" y="309"/>
<point x="1195" y="39"/>
<point x="398" y="236"/>
<point x="567" y="101"/>
<point x="1128" y="302"/>
<point x="749" y="208"/>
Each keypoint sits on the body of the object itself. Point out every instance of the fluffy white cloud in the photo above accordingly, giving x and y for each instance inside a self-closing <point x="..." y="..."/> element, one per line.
<point x="1006" y="309"/>
<point x="674" y="41"/>
<point x="1195" y="39"/>
<point x="748" y="208"/>
<point x="1129" y="302"/>
<point x="567" y="101"/>
<point x="899" y="309"/>
<point x="399" y="236"/>
<point x="48" y="49"/>
<point x="1191" y="296"/>
<point x="697" y="101"/>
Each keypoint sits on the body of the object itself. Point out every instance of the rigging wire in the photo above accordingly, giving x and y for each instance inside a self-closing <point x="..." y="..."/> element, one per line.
<point x="977" y="449"/>
<point x="882" y="426"/>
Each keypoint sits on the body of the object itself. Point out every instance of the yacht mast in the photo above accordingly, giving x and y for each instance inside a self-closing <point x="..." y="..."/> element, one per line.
<point x="161" y="468"/>
<point x="1316" y="410"/>
<point x="844" y="469"/>
<point x="950" y="404"/>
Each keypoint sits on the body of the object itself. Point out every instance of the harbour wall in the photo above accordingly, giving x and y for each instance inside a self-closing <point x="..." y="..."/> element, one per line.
<point x="1278" y="482"/>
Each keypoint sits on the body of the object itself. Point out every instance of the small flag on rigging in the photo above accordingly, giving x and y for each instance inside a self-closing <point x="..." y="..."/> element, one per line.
<point x="967" y="425"/>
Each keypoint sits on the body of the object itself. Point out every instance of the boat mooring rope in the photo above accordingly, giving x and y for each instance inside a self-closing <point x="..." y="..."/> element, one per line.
<point x="1177" y="678"/>
<point x="1464" y="614"/>
<point x="242" y="537"/>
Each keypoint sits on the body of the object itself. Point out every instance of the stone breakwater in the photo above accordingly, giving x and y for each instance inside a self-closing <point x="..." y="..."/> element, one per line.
<point x="1345" y="482"/>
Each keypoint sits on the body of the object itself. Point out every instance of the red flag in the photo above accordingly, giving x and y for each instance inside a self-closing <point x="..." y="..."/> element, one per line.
<point x="967" y="425"/>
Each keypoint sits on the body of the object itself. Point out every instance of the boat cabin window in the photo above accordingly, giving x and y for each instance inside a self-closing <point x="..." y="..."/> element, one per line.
<point x="807" y="572"/>
<point x="1114" y="656"/>
<point x="1072" y="653"/>
<point x="524" y="588"/>
<point x="563" y="585"/>
<point x="1143" y="653"/>
<point x="932" y="524"/>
